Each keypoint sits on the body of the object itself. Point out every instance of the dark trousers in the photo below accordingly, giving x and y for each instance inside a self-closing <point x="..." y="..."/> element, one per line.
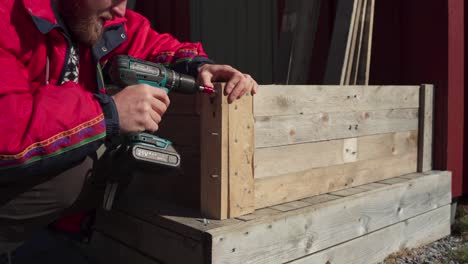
<point x="25" y="209"/>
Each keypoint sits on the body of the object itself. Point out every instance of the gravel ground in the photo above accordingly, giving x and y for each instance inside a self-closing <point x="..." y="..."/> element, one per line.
<point x="443" y="251"/>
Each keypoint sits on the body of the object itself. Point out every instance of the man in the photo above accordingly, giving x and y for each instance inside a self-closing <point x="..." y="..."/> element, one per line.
<point x="54" y="112"/>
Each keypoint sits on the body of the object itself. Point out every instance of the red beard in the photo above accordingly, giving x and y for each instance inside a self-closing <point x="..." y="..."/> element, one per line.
<point x="85" y="24"/>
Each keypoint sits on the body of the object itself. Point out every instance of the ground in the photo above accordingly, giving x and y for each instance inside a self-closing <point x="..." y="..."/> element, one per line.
<point x="451" y="250"/>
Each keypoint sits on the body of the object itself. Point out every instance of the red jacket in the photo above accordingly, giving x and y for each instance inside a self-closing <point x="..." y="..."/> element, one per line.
<point x="46" y="128"/>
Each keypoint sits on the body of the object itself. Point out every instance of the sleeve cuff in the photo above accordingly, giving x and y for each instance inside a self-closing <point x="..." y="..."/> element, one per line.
<point x="111" y="117"/>
<point x="191" y="67"/>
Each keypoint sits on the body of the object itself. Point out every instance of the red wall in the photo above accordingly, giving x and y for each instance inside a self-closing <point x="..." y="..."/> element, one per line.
<point x="423" y="42"/>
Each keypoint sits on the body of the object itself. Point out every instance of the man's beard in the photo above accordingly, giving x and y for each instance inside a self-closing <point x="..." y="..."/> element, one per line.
<point x="85" y="24"/>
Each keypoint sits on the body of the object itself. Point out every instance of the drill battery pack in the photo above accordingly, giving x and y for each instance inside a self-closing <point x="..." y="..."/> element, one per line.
<point x="147" y="148"/>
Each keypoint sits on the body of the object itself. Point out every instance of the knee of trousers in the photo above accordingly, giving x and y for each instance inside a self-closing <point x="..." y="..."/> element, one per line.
<point x="66" y="187"/>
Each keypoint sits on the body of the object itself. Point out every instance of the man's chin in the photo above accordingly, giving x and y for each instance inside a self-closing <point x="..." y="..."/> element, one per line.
<point x="90" y="36"/>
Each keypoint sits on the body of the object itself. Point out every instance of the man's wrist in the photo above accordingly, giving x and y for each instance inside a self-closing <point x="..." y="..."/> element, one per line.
<point x="195" y="65"/>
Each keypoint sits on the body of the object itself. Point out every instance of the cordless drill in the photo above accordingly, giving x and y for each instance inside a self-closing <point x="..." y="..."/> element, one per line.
<point x="124" y="71"/>
<point x="144" y="148"/>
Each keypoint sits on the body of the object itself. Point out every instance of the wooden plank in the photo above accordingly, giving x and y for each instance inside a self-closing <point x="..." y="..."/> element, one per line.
<point x="179" y="186"/>
<point x="294" y="234"/>
<point x="181" y="130"/>
<point x="214" y="156"/>
<point x="286" y="130"/>
<point x="426" y="128"/>
<point x="183" y="104"/>
<point x="365" y="58"/>
<point x="372" y="186"/>
<point x="348" y="192"/>
<point x="154" y="241"/>
<point x="241" y="150"/>
<point x="297" y="37"/>
<point x="318" y="199"/>
<point x="395" y="180"/>
<point x="290" y="206"/>
<point x="375" y="247"/>
<point x="185" y="221"/>
<point x="261" y="213"/>
<point x="359" y="45"/>
<point x="338" y="54"/>
<point x="354" y="43"/>
<point x="281" y="160"/>
<point x="412" y="176"/>
<point x="274" y="100"/>
<point x="104" y="249"/>
<point x="290" y="187"/>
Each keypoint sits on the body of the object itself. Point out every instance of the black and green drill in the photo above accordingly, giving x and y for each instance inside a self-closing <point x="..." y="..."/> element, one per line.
<point x="144" y="148"/>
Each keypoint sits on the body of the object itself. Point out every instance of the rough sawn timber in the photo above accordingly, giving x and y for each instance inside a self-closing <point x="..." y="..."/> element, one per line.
<point x="345" y="227"/>
<point x="295" y="234"/>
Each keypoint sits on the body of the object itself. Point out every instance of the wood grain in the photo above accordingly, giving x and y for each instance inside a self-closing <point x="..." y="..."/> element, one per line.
<point x="214" y="156"/>
<point x="275" y="100"/>
<point x="377" y="246"/>
<point x="290" y="187"/>
<point x="286" y="130"/>
<point x="241" y="150"/>
<point x="275" y="161"/>
<point x="426" y="128"/>
<point x="298" y="233"/>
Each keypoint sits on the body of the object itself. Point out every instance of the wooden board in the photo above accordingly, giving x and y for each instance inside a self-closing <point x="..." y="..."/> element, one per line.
<point x="227" y="149"/>
<point x="214" y="156"/>
<point x="426" y="128"/>
<point x="375" y="247"/>
<point x="104" y="249"/>
<point x="158" y="243"/>
<point x="318" y="199"/>
<point x="241" y="150"/>
<point x="184" y="104"/>
<point x="281" y="160"/>
<point x="354" y="43"/>
<point x="261" y="213"/>
<point x="181" y="220"/>
<point x="360" y="37"/>
<point x="348" y="192"/>
<point x="290" y="206"/>
<point x="286" y="130"/>
<point x="365" y="56"/>
<point x="338" y="54"/>
<point x="276" y="100"/>
<point x="290" y="187"/>
<point x="181" y="186"/>
<point x="295" y="234"/>
<point x="181" y="130"/>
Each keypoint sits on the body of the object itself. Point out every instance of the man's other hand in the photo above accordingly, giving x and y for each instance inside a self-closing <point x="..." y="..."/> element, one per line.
<point x="140" y="108"/>
<point x="237" y="84"/>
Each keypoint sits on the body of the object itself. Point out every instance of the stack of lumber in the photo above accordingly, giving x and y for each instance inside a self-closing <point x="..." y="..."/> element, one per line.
<point x="350" y="51"/>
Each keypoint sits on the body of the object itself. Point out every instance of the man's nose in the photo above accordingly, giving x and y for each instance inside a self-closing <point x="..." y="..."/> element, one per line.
<point x="119" y="8"/>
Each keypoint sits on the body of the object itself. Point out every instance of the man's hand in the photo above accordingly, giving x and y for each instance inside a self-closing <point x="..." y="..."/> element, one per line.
<point x="237" y="84"/>
<point x="140" y="108"/>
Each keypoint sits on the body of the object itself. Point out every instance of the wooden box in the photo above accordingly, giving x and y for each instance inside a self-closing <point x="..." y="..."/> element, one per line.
<point x="291" y="142"/>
